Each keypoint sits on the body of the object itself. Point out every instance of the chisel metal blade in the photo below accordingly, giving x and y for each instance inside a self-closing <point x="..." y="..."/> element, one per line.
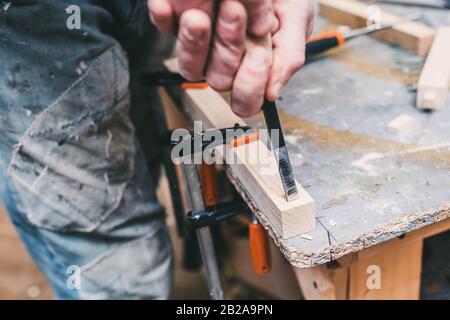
<point x="280" y="150"/>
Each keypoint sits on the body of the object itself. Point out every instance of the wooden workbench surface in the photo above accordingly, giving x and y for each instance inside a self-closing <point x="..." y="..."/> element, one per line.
<point x="369" y="185"/>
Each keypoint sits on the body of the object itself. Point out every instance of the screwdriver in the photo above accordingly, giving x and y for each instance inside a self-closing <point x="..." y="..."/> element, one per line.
<point x="325" y="41"/>
<point x="436" y="4"/>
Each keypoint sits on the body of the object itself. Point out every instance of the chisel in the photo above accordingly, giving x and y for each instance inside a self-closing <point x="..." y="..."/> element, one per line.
<point x="436" y="4"/>
<point x="280" y="150"/>
<point x="276" y="135"/>
<point x="272" y="120"/>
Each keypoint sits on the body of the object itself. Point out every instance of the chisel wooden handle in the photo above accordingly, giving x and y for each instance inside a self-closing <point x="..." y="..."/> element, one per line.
<point x="264" y="42"/>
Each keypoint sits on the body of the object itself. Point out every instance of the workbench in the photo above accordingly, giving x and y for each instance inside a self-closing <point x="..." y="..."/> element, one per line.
<point x="378" y="195"/>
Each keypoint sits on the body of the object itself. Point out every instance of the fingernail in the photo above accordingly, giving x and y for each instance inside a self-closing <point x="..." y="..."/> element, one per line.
<point x="230" y="21"/>
<point x="193" y="34"/>
<point x="257" y="59"/>
<point x="277" y="89"/>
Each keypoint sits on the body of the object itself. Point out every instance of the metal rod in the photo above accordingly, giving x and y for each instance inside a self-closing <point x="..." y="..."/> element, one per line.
<point x="442" y="4"/>
<point x="203" y="234"/>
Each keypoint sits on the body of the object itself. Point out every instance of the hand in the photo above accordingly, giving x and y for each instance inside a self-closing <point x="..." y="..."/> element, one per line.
<point x="255" y="80"/>
<point x="193" y="19"/>
<point x="247" y="74"/>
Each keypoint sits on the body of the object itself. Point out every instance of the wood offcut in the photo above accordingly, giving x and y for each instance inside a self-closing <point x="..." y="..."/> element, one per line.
<point x="432" y="90"/>
<point x="412" y="36"/>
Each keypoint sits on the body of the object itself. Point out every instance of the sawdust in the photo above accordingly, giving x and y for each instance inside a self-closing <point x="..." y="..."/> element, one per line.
<point x="406" y="75"/>
<point x="339" y="201"/>
<point x="306" y="237"/>
<point x="345" y="140"/>
<point x="378" y="71"/>
<point x="369" y="67"/>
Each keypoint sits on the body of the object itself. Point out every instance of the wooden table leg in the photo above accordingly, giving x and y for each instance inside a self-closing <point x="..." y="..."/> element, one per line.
<point x="316" y="283"/>
<point x="392" y="272"/>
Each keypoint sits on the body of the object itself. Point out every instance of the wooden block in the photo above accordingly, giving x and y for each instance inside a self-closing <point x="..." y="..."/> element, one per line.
<point x="401" y="124"/>
<point x="259" y="176"/>
<point x="262" y="183"/>
<point x="411" y="36"/>
<point x="432" y="90"/>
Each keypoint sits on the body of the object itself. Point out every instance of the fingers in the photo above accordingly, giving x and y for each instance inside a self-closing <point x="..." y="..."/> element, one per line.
<point x="250" y="83"/>
<point x="310" y="22"/>
<point x="229" y="45"/>
<point x="162" y="15"/>
<point x="260" y="16"/>
<point x="193" y="43"/>
<point x="289" y="41"/>
<point x="181" y="6"/>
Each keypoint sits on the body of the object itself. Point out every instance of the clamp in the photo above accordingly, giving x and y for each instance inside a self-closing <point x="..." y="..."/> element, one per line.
<point x="202" y="194"/>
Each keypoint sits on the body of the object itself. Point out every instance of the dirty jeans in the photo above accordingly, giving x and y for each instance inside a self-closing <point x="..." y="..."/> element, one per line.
<point x="76" y="144"/>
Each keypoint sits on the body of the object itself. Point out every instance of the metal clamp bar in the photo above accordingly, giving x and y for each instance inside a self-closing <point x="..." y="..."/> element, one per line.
<point x="203" y="234"/>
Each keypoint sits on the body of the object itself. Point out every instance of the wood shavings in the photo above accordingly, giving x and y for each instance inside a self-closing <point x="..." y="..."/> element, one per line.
<point x="401" y="124"/>
<point x="306" y="237"/>
<point x="332" y="222"/>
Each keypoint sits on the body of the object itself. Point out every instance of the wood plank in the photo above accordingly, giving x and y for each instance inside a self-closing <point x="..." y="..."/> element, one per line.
<point x="340" y="279"/>
<point x="432" y="90"/>
<point x="411" y="36"/>
<point x="254" y="166"/>
<point x="418" y="235"/>
<point x="400" y="268"/>
<point x="431" y="230"/>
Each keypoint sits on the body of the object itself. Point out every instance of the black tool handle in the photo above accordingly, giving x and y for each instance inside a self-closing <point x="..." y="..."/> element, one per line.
<point x="162" y="78"/>
<point x="217" y="213"/>
<point x="320" y="46"/>
<point x="273" y="121"/>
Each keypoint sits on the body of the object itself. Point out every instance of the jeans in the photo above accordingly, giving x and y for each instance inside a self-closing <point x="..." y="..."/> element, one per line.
<point x="78" y="162"/>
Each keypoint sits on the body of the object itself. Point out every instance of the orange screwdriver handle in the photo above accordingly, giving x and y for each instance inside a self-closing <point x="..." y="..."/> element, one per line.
<point x="327" y="35"/>
<point x="323" y="42"/>
<point x="259" y="249"/>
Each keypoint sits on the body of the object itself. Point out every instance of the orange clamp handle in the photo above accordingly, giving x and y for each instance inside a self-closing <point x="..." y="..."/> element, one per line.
<point x="194" y="86"/>
<point x="209" y="184"/>
<point x="244" y="139"/>
<point x="259" y="249"/>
